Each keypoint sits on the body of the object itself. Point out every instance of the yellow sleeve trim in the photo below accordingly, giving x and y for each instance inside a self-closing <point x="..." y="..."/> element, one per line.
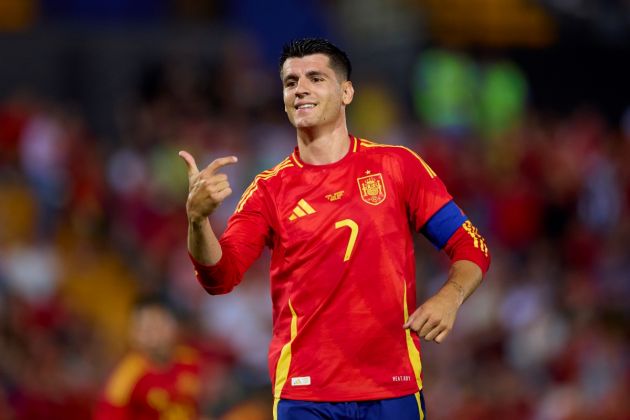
<point x="262" y="176"/>
<point x="124" y="379"/>
<point x="478" y="241"/>
<point x="430" y="171"/>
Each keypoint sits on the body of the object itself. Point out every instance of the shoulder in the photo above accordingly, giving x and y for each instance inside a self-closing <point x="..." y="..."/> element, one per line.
<point x="403" y="154"/>
<point x="281" y="168"/>
<point x="264" y="178"/>
<point x="372" y="147"/>
<point x="124" y="378"/>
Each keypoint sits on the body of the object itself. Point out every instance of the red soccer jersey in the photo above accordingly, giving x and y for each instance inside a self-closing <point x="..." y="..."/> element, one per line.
<point x="342" y="269"/>
<point x="139" y="390"/>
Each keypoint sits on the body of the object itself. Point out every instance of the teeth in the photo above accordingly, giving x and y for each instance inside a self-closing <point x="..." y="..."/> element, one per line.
<point x="306" y="106"/>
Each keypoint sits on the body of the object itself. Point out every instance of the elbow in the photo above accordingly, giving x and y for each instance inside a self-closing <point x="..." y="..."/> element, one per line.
<point x="216" y="286"/>
<point x="467" y="244"/>
<point x="217" y="279"/>
<point x="480" y="259"/>
<point x="218" y="290"/>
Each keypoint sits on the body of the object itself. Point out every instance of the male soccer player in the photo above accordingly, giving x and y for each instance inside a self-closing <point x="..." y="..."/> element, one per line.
<point x="158" y="379"/>
<point x="338" y="214"/>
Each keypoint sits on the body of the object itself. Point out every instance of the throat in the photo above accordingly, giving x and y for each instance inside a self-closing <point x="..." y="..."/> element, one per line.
<point x="323" y="150"/>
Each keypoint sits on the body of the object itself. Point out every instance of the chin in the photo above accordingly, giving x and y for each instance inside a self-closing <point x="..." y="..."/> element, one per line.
<point x="304" y="123"/>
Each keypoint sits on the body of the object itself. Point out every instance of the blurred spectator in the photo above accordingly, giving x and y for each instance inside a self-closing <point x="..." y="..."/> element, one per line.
<point x="158" y="378"/>
<point x="45" y="152"/>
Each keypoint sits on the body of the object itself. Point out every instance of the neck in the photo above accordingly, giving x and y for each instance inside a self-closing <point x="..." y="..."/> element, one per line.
<point x="322" y="148"/>
<point x="161" y="360"/>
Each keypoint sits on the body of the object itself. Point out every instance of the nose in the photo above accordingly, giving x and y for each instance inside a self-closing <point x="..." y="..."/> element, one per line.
<point x="302" y="87"/>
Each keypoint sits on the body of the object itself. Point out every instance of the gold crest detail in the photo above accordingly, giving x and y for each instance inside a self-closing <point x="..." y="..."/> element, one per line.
<point x="372" y="189"/>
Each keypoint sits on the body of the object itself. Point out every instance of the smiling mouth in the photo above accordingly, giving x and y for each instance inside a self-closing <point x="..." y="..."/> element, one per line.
<point x="305" y="106"/>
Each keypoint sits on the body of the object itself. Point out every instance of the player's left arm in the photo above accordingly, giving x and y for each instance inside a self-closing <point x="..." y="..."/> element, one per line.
<point x="435" y="214"/>
<point x="470" y="259"/>
<point x="434" y="319"/>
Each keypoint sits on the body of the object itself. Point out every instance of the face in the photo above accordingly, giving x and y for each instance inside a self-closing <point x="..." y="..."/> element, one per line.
<point x="153" y="331"/>
<point x="313" y="94"/>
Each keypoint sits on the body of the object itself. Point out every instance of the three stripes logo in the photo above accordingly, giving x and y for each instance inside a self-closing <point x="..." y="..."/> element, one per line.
<point x="302" y="209"/>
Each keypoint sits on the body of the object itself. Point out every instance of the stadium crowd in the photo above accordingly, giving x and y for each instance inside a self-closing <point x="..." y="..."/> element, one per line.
<point x="87" y="224"/>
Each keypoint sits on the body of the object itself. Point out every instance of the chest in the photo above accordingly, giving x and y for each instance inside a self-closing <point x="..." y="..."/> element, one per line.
<point x="176" y="389"/>
<point x="365" y="196"/>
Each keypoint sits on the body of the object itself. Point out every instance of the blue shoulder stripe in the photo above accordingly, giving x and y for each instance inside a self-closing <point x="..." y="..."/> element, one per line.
<point x="441" y="226"/>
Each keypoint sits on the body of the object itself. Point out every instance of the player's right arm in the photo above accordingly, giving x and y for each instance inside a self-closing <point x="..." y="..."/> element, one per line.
<point x="206" y="191"/>
<point x="220" y="263"/>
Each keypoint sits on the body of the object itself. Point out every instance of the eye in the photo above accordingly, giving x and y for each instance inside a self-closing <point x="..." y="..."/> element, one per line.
<point x="289" y="83"/>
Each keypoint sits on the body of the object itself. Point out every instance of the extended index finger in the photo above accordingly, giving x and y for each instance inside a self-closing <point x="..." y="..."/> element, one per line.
<point x="221" y="162"/>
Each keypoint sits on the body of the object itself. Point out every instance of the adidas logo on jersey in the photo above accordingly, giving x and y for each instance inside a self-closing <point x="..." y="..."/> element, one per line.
<point x="302" y="209"/>
<point x="301" y="381"/>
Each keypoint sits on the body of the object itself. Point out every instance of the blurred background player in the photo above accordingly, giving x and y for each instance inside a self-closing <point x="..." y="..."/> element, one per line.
<point x="158" y="379"/>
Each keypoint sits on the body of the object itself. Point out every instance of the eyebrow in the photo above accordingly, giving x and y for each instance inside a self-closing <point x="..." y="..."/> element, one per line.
<point x="293" y="76"/>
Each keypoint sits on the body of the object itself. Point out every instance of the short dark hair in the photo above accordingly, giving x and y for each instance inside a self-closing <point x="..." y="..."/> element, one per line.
<point x="151" y="300"/>
<point x="339" y="60"/>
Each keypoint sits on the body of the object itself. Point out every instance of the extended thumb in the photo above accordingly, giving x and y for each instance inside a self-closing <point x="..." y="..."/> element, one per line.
<point x="190" y="162"/>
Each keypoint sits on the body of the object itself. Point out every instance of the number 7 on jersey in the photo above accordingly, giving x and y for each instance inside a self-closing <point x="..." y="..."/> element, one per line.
<point x="354" y="231"/>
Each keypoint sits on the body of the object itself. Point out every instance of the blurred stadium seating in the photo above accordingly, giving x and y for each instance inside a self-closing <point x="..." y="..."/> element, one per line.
<point x="528" y="123"/>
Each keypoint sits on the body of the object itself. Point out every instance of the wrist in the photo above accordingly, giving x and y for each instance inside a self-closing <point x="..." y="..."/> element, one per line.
<point x="195" y="220"/>
<point x="454" y="292"/>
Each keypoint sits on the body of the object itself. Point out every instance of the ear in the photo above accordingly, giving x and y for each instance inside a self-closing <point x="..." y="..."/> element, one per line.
<point x="347" y="92"/>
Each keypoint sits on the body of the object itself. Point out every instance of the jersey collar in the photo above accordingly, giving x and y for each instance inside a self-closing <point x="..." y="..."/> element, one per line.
<point x="354" y="147"/>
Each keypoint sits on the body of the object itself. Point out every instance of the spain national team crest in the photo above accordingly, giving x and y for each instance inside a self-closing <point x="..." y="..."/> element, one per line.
<point x="372" y="189"/>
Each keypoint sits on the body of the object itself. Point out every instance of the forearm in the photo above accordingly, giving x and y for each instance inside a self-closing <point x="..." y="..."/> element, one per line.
<point x="435" y="318"/>
<point x="215" y="275"/>
<point x="220" y="264"/>
<point x="470" y="259"/>
<point x="203" y="244"/>
<point x="463" y="278"/>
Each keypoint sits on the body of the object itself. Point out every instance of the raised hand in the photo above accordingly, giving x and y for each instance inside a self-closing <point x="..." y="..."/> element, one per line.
<point x="206" y="188"/>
